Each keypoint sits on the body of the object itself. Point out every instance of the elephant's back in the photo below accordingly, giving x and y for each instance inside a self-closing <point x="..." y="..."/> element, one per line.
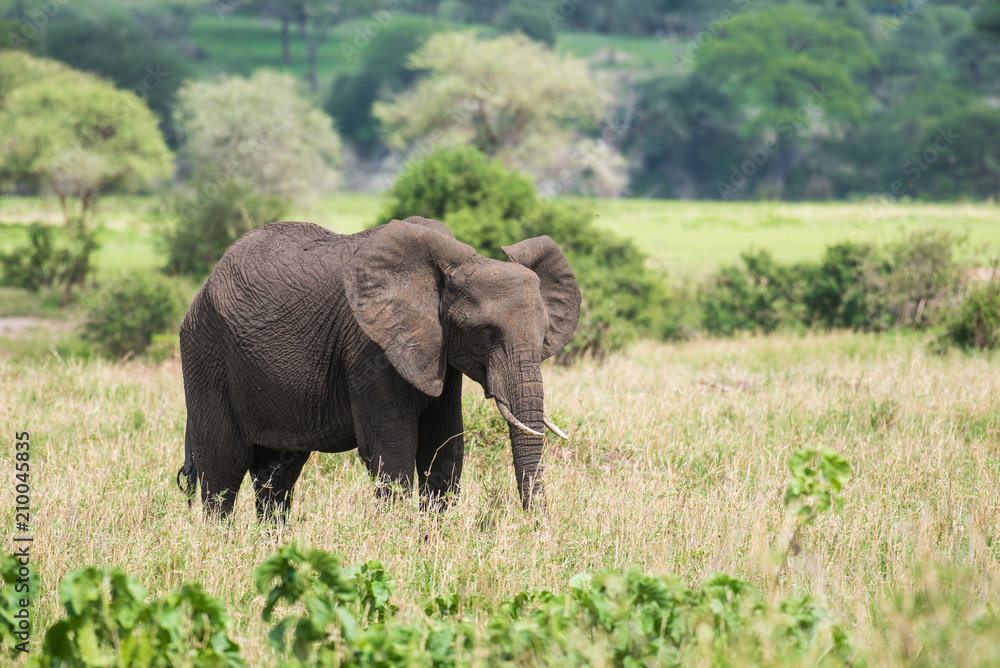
<point x="275" y="265"/>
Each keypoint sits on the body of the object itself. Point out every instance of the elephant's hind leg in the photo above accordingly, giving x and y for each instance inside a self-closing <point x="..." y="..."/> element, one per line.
<point x="220" y="455"/>
<point x="274" y="474"/>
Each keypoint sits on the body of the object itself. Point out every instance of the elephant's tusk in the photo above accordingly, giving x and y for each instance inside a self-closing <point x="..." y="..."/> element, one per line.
<point x="509" y="417"/>
<point x="554" y="427"/>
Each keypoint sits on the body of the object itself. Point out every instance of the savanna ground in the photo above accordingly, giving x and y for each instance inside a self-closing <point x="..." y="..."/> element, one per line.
<point x="677" y="463"/>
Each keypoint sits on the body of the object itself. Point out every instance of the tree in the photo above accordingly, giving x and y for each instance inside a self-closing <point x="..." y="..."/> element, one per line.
<point x="959" y="156"/>
<point x="513" y="99"/>
<point x="529" y="18"/>
<point x="75" y="133"/>
<point x="317" y="17"/>
<point x="126" y="52"/>
<point x="684" y="136"/>
<point x="288" y="12"/>
<point x="383" y="71"/>
<point x="258" y="132"/>
<point x="793" y="75"/>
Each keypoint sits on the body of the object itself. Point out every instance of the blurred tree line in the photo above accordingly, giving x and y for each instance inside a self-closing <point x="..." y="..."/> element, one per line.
<point x="771" y="100"/>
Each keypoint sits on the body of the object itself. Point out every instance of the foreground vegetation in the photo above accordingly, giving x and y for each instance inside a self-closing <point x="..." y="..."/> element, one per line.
<point x="677" y="465"/>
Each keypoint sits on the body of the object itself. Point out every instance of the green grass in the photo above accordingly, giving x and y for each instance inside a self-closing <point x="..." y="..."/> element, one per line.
<point x="619" y="51"/>
<point x="692" y="239"/>
<point x="677" y="463"/>
<point x="685" y="239"/>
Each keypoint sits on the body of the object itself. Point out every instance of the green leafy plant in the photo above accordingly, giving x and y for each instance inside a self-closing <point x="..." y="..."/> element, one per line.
<point x="976" y="321"/>
<point x="51" y="257"/>
<point x="17" y="587"/>
<point x="108" y="622"/>
<point x="756" y="298"/>
<point x="125" y="315"/>
<point x="817" y="480"/>
<point x="205" y="223"/>
<point x="334" y="600"/>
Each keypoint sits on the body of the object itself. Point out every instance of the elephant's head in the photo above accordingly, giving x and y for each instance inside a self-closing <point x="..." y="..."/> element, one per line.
<point x="431" y="301"/>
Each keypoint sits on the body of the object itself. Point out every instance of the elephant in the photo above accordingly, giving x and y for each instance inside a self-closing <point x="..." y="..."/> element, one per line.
<point x="303" y="340"/>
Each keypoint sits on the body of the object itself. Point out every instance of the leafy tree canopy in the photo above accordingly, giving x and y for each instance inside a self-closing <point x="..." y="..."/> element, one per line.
<point x="123" y="50"/>
<point x="75" y="133"/>
<point x="259" y="132"/>
<point x="781" y="60"/>
<point x="513" y="99"/>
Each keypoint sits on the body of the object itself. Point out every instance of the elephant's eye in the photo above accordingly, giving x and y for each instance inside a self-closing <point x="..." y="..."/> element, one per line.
<point x="487" y="335"/>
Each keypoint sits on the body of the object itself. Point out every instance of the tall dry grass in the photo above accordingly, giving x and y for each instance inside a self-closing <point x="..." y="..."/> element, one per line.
<point x="677" y="463"/>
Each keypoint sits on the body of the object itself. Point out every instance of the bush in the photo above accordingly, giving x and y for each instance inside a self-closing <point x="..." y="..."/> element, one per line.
<point x="756" y="298"/>
<point x="924" y="278"/>
<point x="52" y="257"/>
<point x="487" y="207"/>
<point x="910" y="283"/>
<point x="452" y="179"/>
<point x="847" y="288"/>
<point x="126" y="314"/>
<point x="108" y="622"/>
<point x="207" y="226"/>
<point x="976" y="322"/>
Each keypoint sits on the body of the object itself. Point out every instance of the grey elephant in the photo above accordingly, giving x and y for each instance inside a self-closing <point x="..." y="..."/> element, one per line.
<point x="304" y="340"/>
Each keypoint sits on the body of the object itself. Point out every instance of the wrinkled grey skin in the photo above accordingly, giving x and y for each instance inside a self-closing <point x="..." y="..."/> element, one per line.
<point x="302" y="339"/>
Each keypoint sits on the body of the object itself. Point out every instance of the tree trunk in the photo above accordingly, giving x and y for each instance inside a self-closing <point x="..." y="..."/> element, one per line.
<point x="312" y="47"/>
<point x="286" y="55"/>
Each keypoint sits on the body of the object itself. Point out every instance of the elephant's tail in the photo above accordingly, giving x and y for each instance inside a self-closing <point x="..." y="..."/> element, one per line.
<point x="189" y="472"/>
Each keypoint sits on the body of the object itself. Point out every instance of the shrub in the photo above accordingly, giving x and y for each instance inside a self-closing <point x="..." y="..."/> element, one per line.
<point x="847" y="288"/>
<point x="108" y="622"/>
<point x="452" y="179"/>
<point x="910" y="283"/>
<point x="756" y="298"/>
<point x="976" y="321"/>
<point x="924" y="278"/>
<point x="487" y="206"/>
<point x="206" y="226"/>
<point x="126" y="314"/>
<point x="52" y="257"/>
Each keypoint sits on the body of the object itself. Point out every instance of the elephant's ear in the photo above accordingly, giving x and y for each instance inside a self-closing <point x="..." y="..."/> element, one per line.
<point x="558" y="285"/>
<point x="393" y="286"/>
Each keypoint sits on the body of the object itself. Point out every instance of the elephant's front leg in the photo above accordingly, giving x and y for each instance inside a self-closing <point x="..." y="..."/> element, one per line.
<point x="441" y="445"/>
<point x="385" y="411"/>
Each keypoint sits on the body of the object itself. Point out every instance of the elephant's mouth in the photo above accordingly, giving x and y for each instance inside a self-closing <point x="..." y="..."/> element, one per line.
<point x="517" y="424"/>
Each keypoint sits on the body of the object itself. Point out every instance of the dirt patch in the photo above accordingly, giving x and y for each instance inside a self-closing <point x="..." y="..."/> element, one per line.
<point x="21" y="326"/>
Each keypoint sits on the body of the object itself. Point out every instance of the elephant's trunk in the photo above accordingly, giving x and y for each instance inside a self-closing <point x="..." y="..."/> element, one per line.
<point x="523" y="397"/>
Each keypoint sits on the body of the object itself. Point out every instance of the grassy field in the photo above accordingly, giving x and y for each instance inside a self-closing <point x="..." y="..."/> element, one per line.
<point x="677" y="463"/>
<point x="684" y="239"/>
